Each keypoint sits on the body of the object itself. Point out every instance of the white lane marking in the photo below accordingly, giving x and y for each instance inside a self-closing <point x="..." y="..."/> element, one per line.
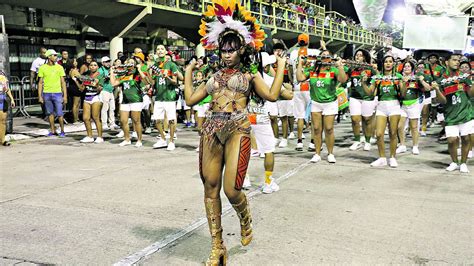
<point x="169" y="239"/>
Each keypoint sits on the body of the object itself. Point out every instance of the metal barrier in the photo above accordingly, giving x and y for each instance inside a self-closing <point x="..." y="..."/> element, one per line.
<point x="23" y="95"/>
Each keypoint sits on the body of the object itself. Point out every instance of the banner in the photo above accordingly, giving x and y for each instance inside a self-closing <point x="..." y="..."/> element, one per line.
<point x="370" y="12"/>
<point x="435" y="32"/>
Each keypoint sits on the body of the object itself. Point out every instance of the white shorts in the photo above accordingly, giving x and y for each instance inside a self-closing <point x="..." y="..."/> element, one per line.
<point x="264" y="136"/>
<point x="301" y="99"/>
<point x="460" y="130"/>
<point x="96" y="99"/>
<point x="285" y="108"/>
<point x="426" y="100"/>
<point x="133" y="107"/>
<point x="330" y="108"/>
<point x="388" y="108"/>
<point x="181" y="104"/>
<point x="361" y="107"/>
<point x="160" y="108"/>
<point x="411" y="111"/>
<point x="201" y="109"/>
<point x="272" y="108"/>
<point x="146" y="102"/>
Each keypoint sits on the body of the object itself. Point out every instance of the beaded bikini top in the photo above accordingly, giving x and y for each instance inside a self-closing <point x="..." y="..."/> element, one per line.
<point x="227" y="86"/>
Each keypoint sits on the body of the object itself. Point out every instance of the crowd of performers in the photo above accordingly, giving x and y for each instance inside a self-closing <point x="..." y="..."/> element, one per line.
<point x="242" y="91"/>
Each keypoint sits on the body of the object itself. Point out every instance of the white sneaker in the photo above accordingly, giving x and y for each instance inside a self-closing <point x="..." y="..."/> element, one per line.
<point x="292" y="136"/>
<point x="161" y="143"/>
<point x="367" y="146"/>
<point x="283" y="143"/>
<point x="121" y="134"/>
<point x="171" y="146"/>
<point x="393" y="162"/>
<point x="331" y="158"/>
<point x="125" y="143"/>
<point x="453" y="166"/>
<point x="299" y="146"/>
<point x="114" y="126"/>
<point x="355" y="146"/>
<point x="463" y="168"/>
<point x="148" y="130"/>
<point x="277" y="142"/>
<point x="373" y="140"/>
<point x="423" y="133"/>
<point x="247" y="184"/>
<point x="138" y="144"/>
<point x="303" y="136"/>
<point x="99" y="140"/>
<point x="87" y="140"/>
<point x="267" y="189"/>
<point x="379" y="162"/>
<point x="275" y="187"/>
<point x="401" y="149"/>
<point x="262" y="155"/>
<point x="415" y="150"/>
<point x="105" y="127"/>
<point x="254" y="153"/>
<point x="316" y="158"/>
<point x="134" y="135"/>
<point x="311" y="147"/>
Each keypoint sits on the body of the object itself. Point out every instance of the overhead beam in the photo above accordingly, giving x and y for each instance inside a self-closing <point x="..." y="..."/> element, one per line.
<point x="145" y="12"/>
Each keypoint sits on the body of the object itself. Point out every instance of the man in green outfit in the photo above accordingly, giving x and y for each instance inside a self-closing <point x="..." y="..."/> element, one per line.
<point x="165" y="81"/>
<point x="455" y="92"/>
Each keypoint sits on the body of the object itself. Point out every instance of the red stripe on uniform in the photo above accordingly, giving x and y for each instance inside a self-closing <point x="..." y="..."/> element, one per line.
<point x="450" y="89"/>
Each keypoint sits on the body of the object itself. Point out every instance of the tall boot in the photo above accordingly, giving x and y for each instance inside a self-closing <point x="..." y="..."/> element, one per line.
<point x="243" y="213"/>
<point x="218" y="254"/>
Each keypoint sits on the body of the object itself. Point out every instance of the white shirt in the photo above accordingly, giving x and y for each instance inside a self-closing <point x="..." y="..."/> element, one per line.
<point x="37" y="63"/>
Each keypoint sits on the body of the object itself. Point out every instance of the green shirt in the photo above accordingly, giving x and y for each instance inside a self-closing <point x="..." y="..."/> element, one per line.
<point x="51" y="77"/>
<point x="356" y="89"/>
<point x="104" y="74"/>
<point x="165" y="91"/>
<point x="414" y="92"/>
<point x="458" y="109"/>
<point x="387" y="90"/>
<point x="323" y="85"/>
<point x="131" y="89"/>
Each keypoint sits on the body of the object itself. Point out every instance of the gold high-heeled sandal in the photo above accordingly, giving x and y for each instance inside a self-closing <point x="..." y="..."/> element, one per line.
<point x="243" y="213"/>
<point x="218" y="254"/>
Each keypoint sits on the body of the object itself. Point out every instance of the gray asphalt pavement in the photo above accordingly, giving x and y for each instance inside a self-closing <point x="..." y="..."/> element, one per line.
<point x="63" y="202"/>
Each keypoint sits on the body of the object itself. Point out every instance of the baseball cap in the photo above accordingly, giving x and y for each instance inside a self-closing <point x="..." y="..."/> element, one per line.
<point x="50" y="52"/>
<point x="140" y="55"/>
<point x="105" y="59"/>
<point x="303" y="39"/>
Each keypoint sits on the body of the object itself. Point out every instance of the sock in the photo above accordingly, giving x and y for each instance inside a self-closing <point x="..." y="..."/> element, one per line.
<point x="367" y="139"/>
<point x="300" y="140"/>
<point x="357" y="138"/>
<point x="268" y="174"/>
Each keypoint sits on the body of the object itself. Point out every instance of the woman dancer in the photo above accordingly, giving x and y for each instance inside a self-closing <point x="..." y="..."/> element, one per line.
<point x="411" y="107"/>
<point x="322" y="81"/>
<point x="225" y="139"/>
<point x="91" y="83"/>
<point x="389" y="89"/>
<point x="132" y="101"/>
<point x="361" y="105"/>
<point x="4" y="93"/>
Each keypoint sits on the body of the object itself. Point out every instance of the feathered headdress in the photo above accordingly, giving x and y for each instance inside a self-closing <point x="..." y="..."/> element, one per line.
<point x="229" y="16"/>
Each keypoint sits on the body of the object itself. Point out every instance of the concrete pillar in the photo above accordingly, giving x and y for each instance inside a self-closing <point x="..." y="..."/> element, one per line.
<point x="200" y="51"/>
<point x="116" y="45"/>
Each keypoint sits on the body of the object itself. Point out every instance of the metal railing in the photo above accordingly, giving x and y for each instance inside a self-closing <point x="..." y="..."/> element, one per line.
<point x="279" y="17"/>
<point x="23" y="95"/>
